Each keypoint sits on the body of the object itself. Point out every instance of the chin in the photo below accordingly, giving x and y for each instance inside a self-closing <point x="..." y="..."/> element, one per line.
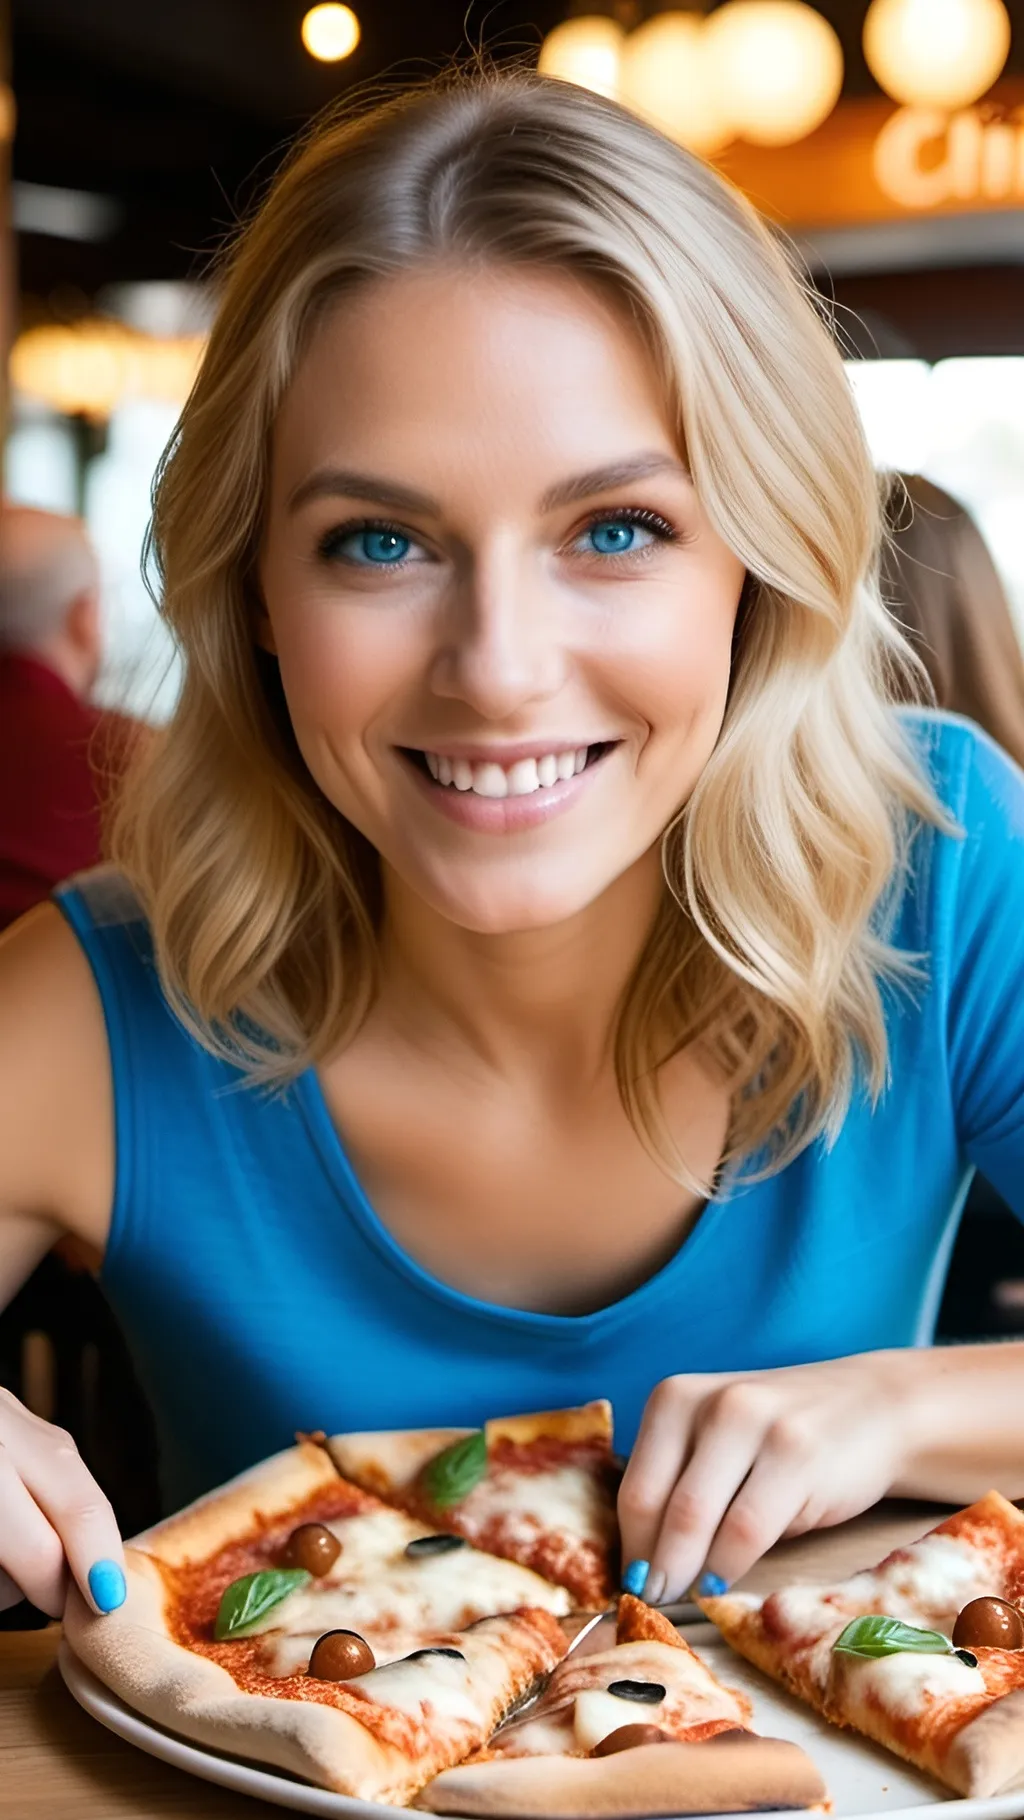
<point x="512" y="907"/>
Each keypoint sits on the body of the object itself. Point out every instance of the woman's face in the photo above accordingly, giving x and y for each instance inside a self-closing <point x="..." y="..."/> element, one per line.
<point x="502" y="617"/>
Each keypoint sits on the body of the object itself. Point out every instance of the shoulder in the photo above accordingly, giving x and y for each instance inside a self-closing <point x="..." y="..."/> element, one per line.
<point x="966" y="768"/>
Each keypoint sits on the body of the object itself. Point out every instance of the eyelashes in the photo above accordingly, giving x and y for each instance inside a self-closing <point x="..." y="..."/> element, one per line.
<point x="383" y="535"/>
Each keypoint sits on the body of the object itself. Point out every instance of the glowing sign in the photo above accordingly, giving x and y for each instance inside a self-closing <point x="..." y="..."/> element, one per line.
<point x="924" y="159"/>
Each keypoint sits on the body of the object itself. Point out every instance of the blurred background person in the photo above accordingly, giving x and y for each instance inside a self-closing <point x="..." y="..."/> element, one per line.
<point x="942" y="585"/>
<point x="60" y="757"/>
<point x="59" y="754"/>
<point x="944" y="588"/>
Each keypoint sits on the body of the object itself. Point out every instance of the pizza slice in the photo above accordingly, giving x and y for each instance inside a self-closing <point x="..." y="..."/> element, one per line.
<point x="538" y="1489"/>
<point x="923" y="1653"/>
<point x="293" y="1618"/>
<point x="640" y="1728"/>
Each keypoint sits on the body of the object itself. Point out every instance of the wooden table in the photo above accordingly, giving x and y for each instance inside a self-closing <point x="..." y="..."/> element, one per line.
<point x="56" y="1763"/>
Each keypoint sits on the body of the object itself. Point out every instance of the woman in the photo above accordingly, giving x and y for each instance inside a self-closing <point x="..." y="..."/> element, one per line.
<point x="541" y="963"/>
<point x="940" y="581"/>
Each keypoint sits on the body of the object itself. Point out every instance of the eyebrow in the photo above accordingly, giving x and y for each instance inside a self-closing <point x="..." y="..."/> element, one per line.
<point x="342" y="482"/>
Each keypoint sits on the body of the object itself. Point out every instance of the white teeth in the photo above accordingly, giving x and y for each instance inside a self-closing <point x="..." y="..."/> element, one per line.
<point x="489" y="780"/>
<point x="520" y="779"/>
<point x="523" y="779"/>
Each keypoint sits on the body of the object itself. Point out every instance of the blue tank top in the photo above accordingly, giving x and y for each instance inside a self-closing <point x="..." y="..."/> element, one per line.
<point x="260" y="1292"/>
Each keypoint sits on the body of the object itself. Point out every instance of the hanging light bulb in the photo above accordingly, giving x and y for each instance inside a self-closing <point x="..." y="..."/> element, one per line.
<point x="668" y="77"/>
<point x="585" y="51"/>
<point x="779" y="67"/>
<point x="330" y="32"/>
<point x="936" y="53"/>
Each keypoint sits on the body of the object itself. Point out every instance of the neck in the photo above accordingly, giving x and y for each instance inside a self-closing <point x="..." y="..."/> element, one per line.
<point x="542" y="1002"/>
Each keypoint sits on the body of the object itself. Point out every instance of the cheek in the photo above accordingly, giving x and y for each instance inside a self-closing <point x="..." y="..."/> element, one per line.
<point x="339" y="668"/>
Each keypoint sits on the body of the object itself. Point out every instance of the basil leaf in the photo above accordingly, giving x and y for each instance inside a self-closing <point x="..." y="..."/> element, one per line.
<point x="876" y="1636"/>
<point x="452" y="1475"/>
<point x="248" y="1602"/>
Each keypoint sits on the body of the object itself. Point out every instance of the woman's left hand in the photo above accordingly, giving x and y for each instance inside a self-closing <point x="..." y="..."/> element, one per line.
<point x="725" y="1465"/>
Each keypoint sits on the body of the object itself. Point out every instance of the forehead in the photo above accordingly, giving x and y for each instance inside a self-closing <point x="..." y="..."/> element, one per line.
<point x="426" y="366"/>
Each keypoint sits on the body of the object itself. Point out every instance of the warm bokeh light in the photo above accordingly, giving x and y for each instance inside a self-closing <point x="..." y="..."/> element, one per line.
<point x="668" y="77"/>
<point x="88" y="369"/>
<point x="330" y="33"/>
<point x="586" y="51"/>
<point x="936" y="53"/>
<point x="780" y="67"/>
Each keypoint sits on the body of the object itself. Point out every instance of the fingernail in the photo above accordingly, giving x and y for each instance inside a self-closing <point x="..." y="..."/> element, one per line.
<point x="711" y="1586"/>
<point x="106" y="1583"/>
<point x="635" y="1577"/>
<point x="654" y="1590"/>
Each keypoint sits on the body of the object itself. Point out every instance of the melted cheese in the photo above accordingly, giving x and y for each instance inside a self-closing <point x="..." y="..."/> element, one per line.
<point x="432" y="1684"/>
<point x="597" y="1714"/>
<point x="396" y="1602"/>
<point x="904" y="1684"/>
<point x="561" y="1499"/>
<point x="926" y="1585"/>
<point x="577" y="1705"/>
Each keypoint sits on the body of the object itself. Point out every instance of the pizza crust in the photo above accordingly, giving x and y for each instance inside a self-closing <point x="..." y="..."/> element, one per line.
<point x="132" y="1652"/>
<point x="654" y="1779"/>
<point x="987" y="1756"/>
<point x="271" y="1489"/>
<point x="591" y="1422"/>
<point x="390" y="1461"/>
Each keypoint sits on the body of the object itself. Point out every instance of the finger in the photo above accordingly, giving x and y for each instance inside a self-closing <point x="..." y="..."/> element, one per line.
<point x="82" y="1516"/>
<point x="33" y="1558"/>
<point x="724" y="1453"/>
<point x="758" y="1517"/>
<point x="9" y="1593"/>
<point x="662" y="1446"/>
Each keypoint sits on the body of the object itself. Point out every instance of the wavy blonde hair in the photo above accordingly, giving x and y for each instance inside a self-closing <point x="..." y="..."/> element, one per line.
<point x="770" y="946"/>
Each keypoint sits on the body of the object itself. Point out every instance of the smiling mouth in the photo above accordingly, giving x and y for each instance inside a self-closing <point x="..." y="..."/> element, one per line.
<point x="523" y="778"/>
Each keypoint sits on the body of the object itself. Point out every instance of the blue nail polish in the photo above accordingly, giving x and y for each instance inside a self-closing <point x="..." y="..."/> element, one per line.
<point x="106" y="1583"/>
<point x="635" y="1577"/>
<point x="711" y="1586"/>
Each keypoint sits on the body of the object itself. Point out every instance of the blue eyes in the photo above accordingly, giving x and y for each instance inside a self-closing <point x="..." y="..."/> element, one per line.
<point x="618" y="536"/>
<point x="378" y="548"/>
<point x="383" y="546"/>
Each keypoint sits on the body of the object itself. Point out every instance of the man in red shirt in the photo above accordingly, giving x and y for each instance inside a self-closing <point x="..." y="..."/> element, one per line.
<point x="59" y="755"/>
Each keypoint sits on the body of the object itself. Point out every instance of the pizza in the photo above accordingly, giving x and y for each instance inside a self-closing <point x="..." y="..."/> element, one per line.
<point x="539" y="1489"/>
<point x="923" y="1653"/>
<point x="293" y="1618"/>
<point x="641" y="1727"/>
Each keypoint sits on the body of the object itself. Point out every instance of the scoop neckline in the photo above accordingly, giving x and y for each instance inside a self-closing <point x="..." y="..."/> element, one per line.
<point x="356" y="1205"/>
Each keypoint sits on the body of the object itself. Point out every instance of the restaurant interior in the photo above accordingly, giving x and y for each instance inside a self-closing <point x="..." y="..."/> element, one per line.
<point x="885" y="142"/>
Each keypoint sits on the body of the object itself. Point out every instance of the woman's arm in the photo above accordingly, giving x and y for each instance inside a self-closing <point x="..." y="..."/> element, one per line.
<point x="56" y="1175"/>
<point x="725" y="1465"/>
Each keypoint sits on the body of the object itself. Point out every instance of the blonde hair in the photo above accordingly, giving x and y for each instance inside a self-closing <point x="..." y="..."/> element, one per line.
<point x="770" y="946"/>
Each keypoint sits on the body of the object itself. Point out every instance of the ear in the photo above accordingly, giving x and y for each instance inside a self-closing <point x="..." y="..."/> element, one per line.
<point x="82" y="622"/>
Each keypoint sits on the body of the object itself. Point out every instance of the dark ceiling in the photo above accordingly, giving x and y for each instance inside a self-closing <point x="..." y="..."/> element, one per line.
<point x="179" y="109"/>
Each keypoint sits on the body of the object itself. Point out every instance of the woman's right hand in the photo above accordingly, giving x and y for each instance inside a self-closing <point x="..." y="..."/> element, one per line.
<point x="54" y="1519"/>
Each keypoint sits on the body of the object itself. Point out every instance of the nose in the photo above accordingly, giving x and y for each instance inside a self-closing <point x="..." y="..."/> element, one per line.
<point x="501" y="644"/>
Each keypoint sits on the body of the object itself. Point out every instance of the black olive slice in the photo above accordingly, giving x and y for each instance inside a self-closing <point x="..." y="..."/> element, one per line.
<point x="433" y="1545"/>
<point x="647" y="1692"/>
<point x="968" y="1656"/>
<point x="440" y="1650"/>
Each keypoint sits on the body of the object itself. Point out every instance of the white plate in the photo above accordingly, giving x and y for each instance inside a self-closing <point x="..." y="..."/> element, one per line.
<point x="862" y="1779"/>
